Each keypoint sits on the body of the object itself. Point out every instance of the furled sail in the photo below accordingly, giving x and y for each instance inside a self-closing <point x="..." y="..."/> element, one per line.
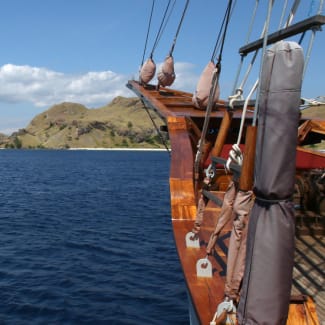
<point x="266" y="288"/>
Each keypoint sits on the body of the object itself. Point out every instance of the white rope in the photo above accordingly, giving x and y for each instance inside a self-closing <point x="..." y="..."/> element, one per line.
<point x="233" y="98"/>
<point x="267" y="24"/>
<point x="247" y="40"/>
<point x="245" y="110"/>
<point x="227" y="306"/>
<point x="249" y="69"/>
<point x="292" y="13"/>
<point x="251" y="64"/>
<point x="283" y="12"/>
<point x="235" y="154"/>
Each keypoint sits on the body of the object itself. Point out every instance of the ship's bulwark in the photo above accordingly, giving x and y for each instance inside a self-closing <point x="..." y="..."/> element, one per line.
<point x="266" y="287"/>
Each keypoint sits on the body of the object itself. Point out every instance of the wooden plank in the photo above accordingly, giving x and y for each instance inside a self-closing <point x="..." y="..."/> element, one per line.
<point x="183" y="203"/>
<point x="153" y="99"/>
<point x="205" y="292"/>
<point x="302" y="313"/>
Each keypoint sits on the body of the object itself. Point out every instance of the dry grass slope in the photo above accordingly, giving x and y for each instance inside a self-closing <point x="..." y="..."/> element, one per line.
<point x="122" y="123"/>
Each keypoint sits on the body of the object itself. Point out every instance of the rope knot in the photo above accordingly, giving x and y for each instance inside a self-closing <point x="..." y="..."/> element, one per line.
<point x="233" y="98"/>
<point x="235" y="156"/>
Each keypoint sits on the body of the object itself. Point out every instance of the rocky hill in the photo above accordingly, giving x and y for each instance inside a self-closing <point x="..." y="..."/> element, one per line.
<point x="122" y="123"/>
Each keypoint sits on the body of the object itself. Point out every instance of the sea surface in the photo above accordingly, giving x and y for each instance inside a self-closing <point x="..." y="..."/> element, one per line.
<point x="86" y="238"/>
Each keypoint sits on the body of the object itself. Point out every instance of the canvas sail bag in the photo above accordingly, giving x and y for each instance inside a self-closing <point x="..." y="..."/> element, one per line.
<point x="166" y="75"/>
<point x="147" y="71"/>
<point x="201" y="96"/>
<point x="266" y="287"/>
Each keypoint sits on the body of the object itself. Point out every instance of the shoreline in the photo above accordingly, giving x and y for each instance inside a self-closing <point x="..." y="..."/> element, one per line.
<point x="119" y="149"/>
<point x="91" y="149"/>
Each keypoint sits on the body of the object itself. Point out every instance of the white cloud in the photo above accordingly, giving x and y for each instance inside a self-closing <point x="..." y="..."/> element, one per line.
<point x="43" y="87"/>
<point x="186" y="78"/>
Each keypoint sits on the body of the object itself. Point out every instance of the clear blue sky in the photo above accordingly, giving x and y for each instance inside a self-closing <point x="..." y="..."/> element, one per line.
<point x="85" y="50"/>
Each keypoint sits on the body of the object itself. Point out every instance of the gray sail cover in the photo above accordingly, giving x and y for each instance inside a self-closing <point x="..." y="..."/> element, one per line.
<point x="265" y="294"/>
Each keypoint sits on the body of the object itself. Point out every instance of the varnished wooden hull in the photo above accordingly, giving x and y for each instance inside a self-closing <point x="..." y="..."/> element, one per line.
<point x="184" y="124"/>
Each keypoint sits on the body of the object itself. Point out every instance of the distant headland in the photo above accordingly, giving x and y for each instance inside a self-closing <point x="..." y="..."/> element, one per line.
<point x="124" y="123"/>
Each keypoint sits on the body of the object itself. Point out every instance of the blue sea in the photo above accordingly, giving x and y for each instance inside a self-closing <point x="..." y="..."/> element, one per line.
<point x="86" y="238"/>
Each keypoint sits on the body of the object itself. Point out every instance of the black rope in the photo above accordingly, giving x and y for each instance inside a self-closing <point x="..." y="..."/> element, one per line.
<point x="302" y="37"/>
<point x="218" y="38"/>
<point x="161" y="28"/>
<point x="178" y="29"/>
<point x="146" y="42"/>
<point x="157" y="129"/>
<point x="166" y="21"/>
<point x="223" y="31"/>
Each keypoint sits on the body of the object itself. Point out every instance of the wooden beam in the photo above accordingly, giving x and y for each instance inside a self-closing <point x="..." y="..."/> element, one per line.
<point x="314" y="22"/>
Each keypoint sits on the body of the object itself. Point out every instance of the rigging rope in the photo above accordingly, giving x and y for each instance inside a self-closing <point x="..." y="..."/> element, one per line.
<point x="148" y="31"/>
<point x="179" y="27"/>
<point x="312" y="3"/>
<point x="148" y="69"/>
<point x="250" y="29"/>
<point x="162" y="26"/>
<point x="223" y="31"/>
<point x="200" y="97"/>
<point x="285" y="5"/>
<point x="237" y="92"/>
<point x="234" y="90"/>
<point x="166" y="75"/>
<point x="157" y="129"/>
<point x="292" y="13"/>
<point x="214" y="85"/>
<point x="312" y="38"/>
<point x="235" y="154"/>
<point x="216" y="46"/>
<point x="267" y="24"/>
<point x="224" y="34"/>
<point x="266" y="27"/>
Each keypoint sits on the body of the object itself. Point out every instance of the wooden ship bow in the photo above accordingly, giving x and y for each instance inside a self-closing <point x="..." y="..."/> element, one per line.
<point x="238" y="181"/>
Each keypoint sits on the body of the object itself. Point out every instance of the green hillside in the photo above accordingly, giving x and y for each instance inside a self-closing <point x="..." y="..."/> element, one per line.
<point x="122" y="123"/>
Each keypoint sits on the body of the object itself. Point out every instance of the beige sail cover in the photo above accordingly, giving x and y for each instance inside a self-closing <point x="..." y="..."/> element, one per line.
<point x="225" y="215"/>
<point x="237" y="243"/>
<point x="147" y="71"/>
<point x="166" y="74"/>
<point x="201" y="96"/>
